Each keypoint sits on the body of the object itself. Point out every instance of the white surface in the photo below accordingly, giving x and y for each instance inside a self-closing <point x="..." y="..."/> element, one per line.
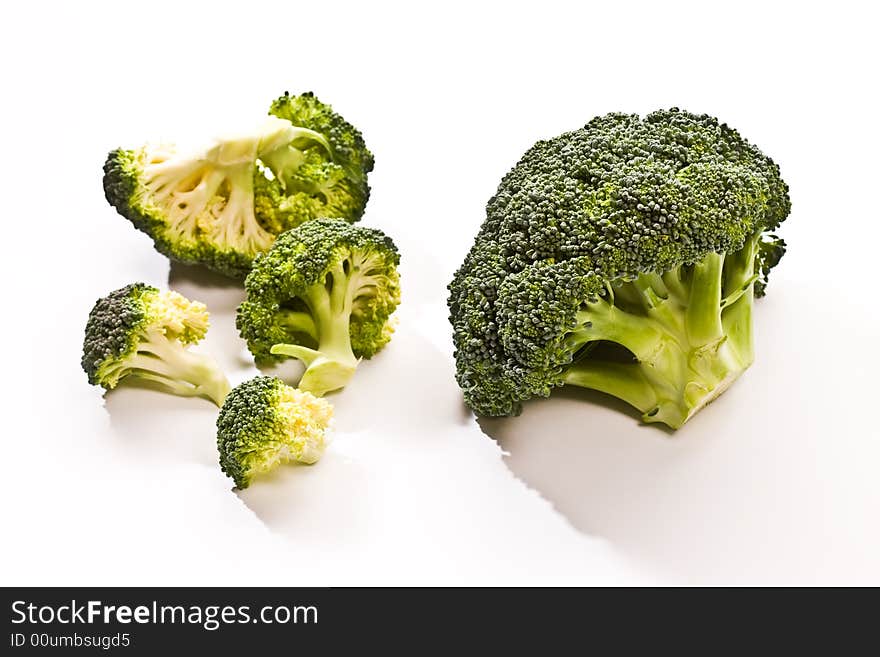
<point x="774" y="483"/>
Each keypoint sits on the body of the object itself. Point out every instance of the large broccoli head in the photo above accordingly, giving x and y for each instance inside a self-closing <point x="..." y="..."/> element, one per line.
<point x="139" y="332"/>
<point x="624" y="257"/>
<point x="221" y="206"/>
<point x="264" y="423"/>
<point x="324" y="293"/>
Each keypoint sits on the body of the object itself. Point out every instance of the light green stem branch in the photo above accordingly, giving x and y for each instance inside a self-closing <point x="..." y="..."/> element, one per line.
<point x="690" y="342"/>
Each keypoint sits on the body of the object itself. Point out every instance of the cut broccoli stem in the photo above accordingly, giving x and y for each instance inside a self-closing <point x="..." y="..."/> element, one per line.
<point x="177" y="369"/>
<point x="332" y="365"/>
<point x="678" y="366"/>
<point x="325" y="371"/>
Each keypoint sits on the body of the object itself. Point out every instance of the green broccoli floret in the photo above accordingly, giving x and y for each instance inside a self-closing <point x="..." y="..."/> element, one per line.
<point x="138" y="332"/>
<point x="223" y="205"/>
<point x="324" y="294"/>
<point x="330" y="188"/>
<point x="622" y="257"/>
<point x="264" y="423"/>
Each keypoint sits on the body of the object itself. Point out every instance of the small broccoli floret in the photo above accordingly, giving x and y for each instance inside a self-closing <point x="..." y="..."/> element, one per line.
<point x="622" y="257"/>
<point x="138" y="332"/>
<point x="264" y="423"/>
<point x="221" y="206"/>
<point x="342" y="183"/>
<point x="324" y="293"/>
<point x="769" y="252"/>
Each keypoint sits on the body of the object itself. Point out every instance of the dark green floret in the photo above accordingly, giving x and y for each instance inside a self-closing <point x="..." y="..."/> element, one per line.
<point x="222" y="205"/>
<point x="622" y="257"/>
<point x="264" y="423"/>
<point x="324" y="293"/>
<point x="138" y="332"/>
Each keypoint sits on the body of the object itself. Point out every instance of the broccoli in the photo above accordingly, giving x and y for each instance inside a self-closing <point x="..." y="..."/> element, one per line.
<point x="324" y="294"/>
<point x="264" y="422"/>
<point x="138" y="332"/>
<point x="223" y="205"/>
<point x="622" y="257"/>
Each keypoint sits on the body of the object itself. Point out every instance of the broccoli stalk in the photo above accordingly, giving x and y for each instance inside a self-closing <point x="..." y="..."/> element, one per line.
<point x="689" y="331"/>
<point x="333" y="363"/>
<point x="173" y="367"/>
<point x="323" y="294"/>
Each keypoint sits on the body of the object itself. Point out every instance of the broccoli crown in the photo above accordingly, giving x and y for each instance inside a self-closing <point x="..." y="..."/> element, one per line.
<point x="141" y="332"/>
<point x="112" y="330"/>
<point x="264" y="423"/>
<point x="327" y="290"/>
<point x="616" y="202"/>
<point x="221" y="206"/>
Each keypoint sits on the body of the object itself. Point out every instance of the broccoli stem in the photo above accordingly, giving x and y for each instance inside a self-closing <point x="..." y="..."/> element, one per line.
<point x="177" y="369"/>
<point x="189" y="187"/>
<point x="298" y="322"/>
<point x="330" y="366"/>
<point x="625" y="381"/>
<point x="330" y="304"/>
<point x="236" y="223"/>
<point x="689" y="331"/>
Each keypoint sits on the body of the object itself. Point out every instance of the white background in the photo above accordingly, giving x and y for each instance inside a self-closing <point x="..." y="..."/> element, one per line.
<point x="776" y="482"/>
